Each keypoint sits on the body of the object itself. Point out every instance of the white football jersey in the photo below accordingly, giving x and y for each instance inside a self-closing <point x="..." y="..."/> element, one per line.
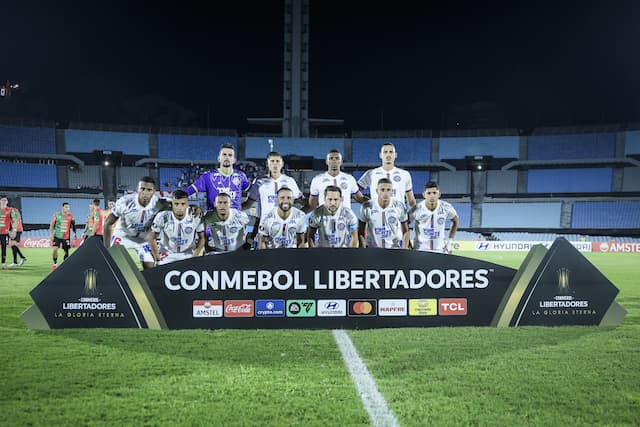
<point x="429" y="233"/>
<point x="384" y="226"/>
<point x="282" y="233"/>
<point x="229" y="235"/>
<point x="177" y="236"/>
<point x="135" y="219"/>
<point x="344" y="181"/>
<point x="265" y="191"/>
<point x="333" y="230"/>
<point x="400" y="179"/>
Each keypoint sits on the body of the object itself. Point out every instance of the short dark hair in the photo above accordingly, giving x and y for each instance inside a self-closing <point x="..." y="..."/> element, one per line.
<point x="332" y="188"/>
<point x="384" y="181"/>
<point x="4" y="196"/>
<point x="223" y="194"/>
<point x="227" y="145"/>
<point x="65" y="203"/>
<point x="96" y="202"/>
<point x="284" y="187"/>
<point x="431" y="184"/>
<point x="180" y="194"/>
<point x="148" y="180"/>
<point x="274" y="154"/>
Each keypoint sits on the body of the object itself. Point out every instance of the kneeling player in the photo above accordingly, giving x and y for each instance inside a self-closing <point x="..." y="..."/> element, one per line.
<point x="226" y="227"/>
<point x="177" y="230"/>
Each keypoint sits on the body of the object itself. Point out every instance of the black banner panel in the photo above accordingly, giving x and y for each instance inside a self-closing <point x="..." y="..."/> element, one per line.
<point x="319" y="289"/>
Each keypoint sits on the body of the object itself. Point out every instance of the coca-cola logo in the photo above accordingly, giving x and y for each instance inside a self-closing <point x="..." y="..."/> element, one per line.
<point x="238" y="308"/>
<point x="36" y="243"/>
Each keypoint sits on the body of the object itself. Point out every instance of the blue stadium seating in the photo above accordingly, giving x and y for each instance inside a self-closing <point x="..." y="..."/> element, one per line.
<point x="192" y="147"/>
<point x="572" y="146"/>
<point x="410" y="150"/>
<point x="28" y="175"/>
<point x="23" y="139"/>
<point x="632" y="142"/>
<point x="579" y="180"/>
<point x="525" y="215"/>
<point x="614" y="214"/>
<point x="497" y="146"/>
<point x="258" y="147"/>
<point x="170" y="176"/>
<point x="40" y="210"/>
<point x="88" y="141"/>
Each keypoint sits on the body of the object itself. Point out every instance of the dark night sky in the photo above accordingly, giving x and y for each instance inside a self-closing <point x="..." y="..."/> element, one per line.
<point x="402" y="65"/>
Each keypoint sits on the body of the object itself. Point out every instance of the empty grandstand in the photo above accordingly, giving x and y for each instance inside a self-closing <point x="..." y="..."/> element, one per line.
<point x="554" y="181"/>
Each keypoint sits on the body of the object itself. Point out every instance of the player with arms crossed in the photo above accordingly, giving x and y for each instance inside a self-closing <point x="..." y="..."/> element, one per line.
<point x="336" y="225"/>
<point x="399" y="178"/>
<point x="226" y="227"/>
<point x="284" y="226"/>
<point x="135" y="213"/>
<point x="60" y="232"/>
<point x="384" y="219"/>
<point x="177" y="230"/>
<point x="430" y="217"/>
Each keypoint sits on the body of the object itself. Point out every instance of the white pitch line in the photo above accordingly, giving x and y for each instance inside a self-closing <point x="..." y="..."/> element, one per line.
<point x="377" y="408"/>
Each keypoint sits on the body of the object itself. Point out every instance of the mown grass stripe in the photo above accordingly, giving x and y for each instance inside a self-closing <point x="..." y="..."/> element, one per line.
<point x="374" y="403"/>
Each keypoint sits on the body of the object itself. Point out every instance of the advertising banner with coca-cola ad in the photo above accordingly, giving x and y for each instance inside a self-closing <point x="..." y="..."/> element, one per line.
<point x="321" y="288"/>
<point x="43" y="242"/>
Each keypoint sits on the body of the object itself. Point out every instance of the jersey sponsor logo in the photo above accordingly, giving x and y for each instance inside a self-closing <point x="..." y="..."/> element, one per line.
<point x="207" y="308"/>
<point x="452" y="306"/>
<point x="392" y="307"/>
<point x="238" y="308"/>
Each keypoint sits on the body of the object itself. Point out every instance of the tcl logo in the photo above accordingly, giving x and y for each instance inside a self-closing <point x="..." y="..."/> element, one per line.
<point x="452" y="306"/>
<point x="238" y="308"/>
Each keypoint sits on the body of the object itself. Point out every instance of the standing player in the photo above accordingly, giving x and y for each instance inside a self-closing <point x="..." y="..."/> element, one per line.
<point x="264" y="190"/>
<point x="335" y="177"/>
<point x="177" y="230"/>
<point x="226" y="227"/>
<point x="385" y="220"/>
<point x="400" y="178"/>
<point x="60" y="232"/>
<point x="135" y="213"/>
<point x="15" y="236"/>
<point x="5" y="227"/>
<point x="225" y="179"/>
<point x="430" y="217"/>
<point x="284" y="226"/>
<point x="336" y="225"/>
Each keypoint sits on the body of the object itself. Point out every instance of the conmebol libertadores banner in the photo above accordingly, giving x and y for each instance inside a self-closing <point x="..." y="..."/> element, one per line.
<point x="322" y="288"/>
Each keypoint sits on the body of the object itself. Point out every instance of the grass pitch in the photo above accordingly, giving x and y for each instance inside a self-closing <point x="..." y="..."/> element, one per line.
<point x="430" y="376"/>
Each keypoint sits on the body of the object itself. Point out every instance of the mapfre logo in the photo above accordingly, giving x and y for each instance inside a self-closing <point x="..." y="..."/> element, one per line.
<point x="452" y="306"/>
<point x="238" y="308"/>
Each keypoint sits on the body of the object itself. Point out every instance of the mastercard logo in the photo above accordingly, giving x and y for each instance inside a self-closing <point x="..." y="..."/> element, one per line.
<point x="362" y="308"/>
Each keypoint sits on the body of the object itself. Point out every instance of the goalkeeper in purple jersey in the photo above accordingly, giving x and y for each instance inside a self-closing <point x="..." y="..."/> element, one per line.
<point x="224" y="179"/>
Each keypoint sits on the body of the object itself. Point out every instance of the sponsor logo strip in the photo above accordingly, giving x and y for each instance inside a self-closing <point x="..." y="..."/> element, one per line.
<point x="452" y="306"/>
<point x="270" y="308"/>
<point x="301" y="308"/>
<point x="207" y="308"/>
<point x="365" y="307"/>
<point x="238" y="308"/>
<point x="332" y="308"/>
<point x="423" y="307"/>
<point x="392" y="307"/>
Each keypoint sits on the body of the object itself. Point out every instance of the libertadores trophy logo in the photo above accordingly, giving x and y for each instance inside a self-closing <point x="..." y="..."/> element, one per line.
<point x="563" y="281"/>
<point x="90" y="283"/>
